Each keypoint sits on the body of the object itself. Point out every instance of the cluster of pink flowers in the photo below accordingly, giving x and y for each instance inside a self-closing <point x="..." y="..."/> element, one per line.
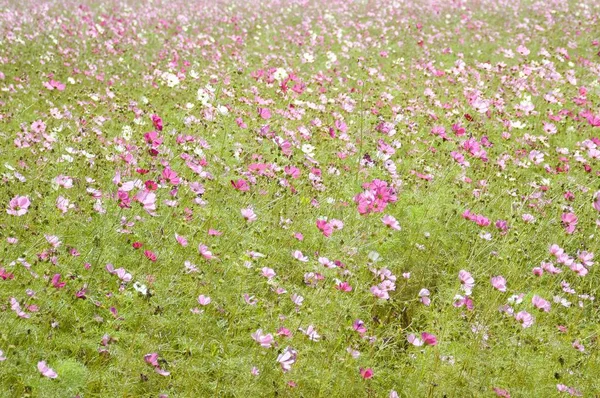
<point x="479" y="219"/>
<point x="375" y="197"/>
<point x="467" y="283"/>
<point x="327" y="227"/>
<point x="580" y="267"/>
<point x="388" y="283"/>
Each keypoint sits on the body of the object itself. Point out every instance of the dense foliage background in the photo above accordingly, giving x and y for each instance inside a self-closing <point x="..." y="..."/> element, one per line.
<point x="299" y="198"/>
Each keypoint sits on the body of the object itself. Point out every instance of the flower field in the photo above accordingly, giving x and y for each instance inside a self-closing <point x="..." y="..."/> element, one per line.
<point x="299" y="198"/>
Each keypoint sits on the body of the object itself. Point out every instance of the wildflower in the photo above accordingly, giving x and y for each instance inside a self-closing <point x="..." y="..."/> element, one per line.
<point x="467" y="281"/>
<point x="287" y="358"/>
<point x="18" y="206"/>
<point x="204" y="300"/>
<point x="46" y="371"/>
<point x="265" y="340"/>
<point x="391" y="222"/>
<point x="524" y="318"/>
<point x="429" y="339"/>
<point x="249" y="215"/>
<point x="499" y="283"/>
<point x="152" y="359"/>
<point x="540" y="303"/>
<point x="366" y="373"/>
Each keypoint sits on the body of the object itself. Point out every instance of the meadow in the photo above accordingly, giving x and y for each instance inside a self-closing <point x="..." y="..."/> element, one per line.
<point x="299" y="198"/>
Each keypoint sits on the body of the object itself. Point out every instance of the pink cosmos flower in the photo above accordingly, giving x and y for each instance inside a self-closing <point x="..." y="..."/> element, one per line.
<point x="379" y="292"/>
<point x="123" y="186"/>
<point x="325" y="227"/>
<point x="123" y="275"/>
<point x="524" y="318"/>
<point x="120" y="272"/>
<point x="458" y="129"/>
<point x="562" y="329"/>
<point x="391" y="222"/>
<point x="540" y="303"/>
<point x="337" y="224"/>
<point x="569" y="221"/>
<point x="46" y="371"/>
<point x="250" y="300"/>
<point x="18" y="206"/>
<point x="53" y="240"/>
<point x="459" y="301"/>
<point x="424" y="295"/>
<point x="523" y="50"/>
<point x="148" y="200"/>
<point x="467" y="281"/>
<point x="528" y="218"/>
<point x="578" y="268"/>
<point x="501" y="393"/>
<point x="171" y="176"/>
<point x="241" y="185"/>
<point x="297" y="299"/>
<point x="366" y="373"/>
<point x="297" y="254"/>
<point x="265" y="340"/>
<point x="285" y="332"/>
<point x="268" y="273"/>
<point x="181" y="240"/>
<point x="596" y="203"/>
<point x="429" y="339"/>
<point x="556" y="250"/>
<point x="190" y="267"/>
<point x="264" y="113"/>
<point x="53" y="84"/>
<point x="499" y="283"/>
<point x="56" y="282"/>
<point x="375" y="197"/>
<point x="204" y="300"/>
<point x="570" y="390"/>
<point x="64" y="181"/>
<point x="311" y="332"/>
<point x="38" y="127"/>
<point x="414" y="340"/>
<point x="16" y="307"/>
<point x="586" y="258"/>
<point x="359" y="326"/>
<point x="63" y="204"/>
<point x="343" y="286"/>
<point x="6" y="275"/>
<point x="205" y="252"/>
<point x="249" y="214"/>
<point x="287" y="358"/>
<point x="150" y="255"/>
<point x="152" y="359"/>
<point x="157" y="122"/>
<point x="294" y="172"/>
